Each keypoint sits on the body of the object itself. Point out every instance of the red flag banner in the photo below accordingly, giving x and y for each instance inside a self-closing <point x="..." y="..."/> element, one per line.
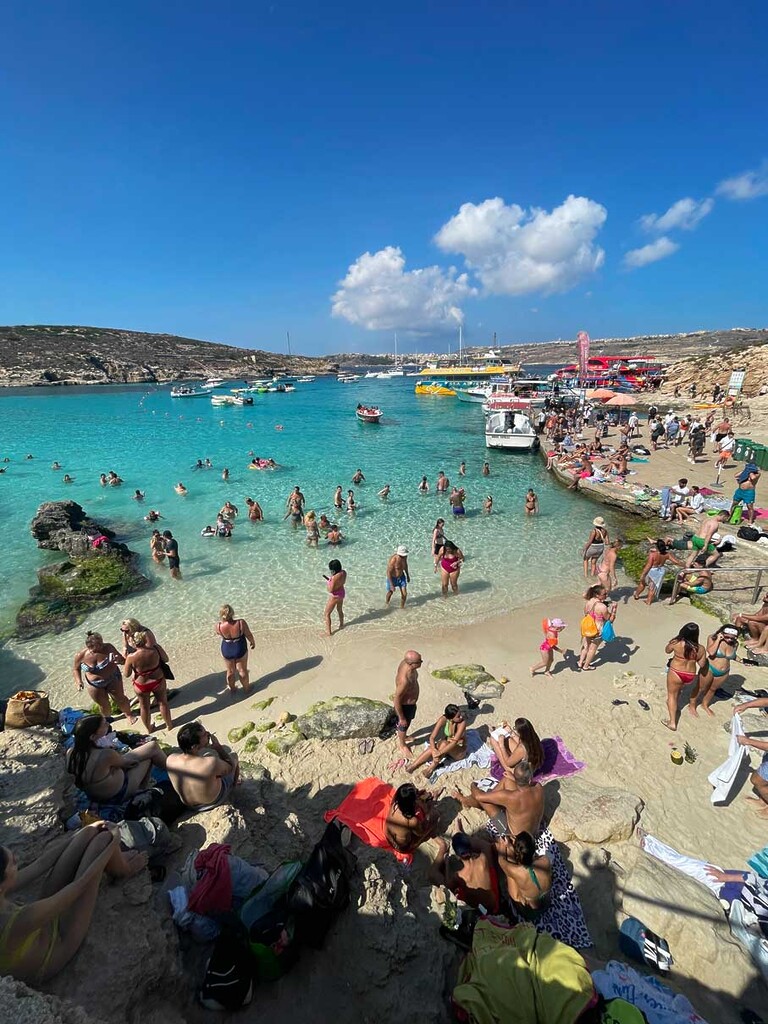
<point x="582" y="339"/>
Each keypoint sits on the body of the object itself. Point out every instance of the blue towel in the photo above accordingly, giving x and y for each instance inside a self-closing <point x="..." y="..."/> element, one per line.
<point x="759" y="862"/>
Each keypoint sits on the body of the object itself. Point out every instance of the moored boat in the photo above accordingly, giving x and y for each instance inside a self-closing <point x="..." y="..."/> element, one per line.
<point x="434" y="389"/>
<point x="241" y="399"/>
<point x="223" y="400"/>
<point x="368" y="413"/>
<point x="512" y="429"/>
<point x="185" y="391"/>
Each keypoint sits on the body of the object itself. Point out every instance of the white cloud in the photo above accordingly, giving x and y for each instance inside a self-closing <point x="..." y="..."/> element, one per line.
<point x="685" y="214"/>
<point x="749" y="185"/>
<point x="378" y="293"/>
<point x="650" y="253"/>
<point x="515" y="251"/>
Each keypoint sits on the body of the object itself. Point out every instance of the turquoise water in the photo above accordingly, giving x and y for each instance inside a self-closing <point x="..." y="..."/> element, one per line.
<point x="267" y="571"/>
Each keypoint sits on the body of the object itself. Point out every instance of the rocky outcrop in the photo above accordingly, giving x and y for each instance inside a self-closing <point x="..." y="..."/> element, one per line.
<point x="23" y="1005"/>
<point x="90" y="578"/>
<point x="51" y="355"/>
<point x="472" y="678"/>
<point x="704" y="371"/>
<point x="593" y="814"/>
<point x="344" y="718"/>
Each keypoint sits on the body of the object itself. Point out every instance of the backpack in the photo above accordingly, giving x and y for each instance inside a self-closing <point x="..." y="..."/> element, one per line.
<point x="589" y="627"/>
<point x="748" y="533"/>
<point x="228" y="980"/>
<point x="148" y="835"/>
<point x="321" y="890"/>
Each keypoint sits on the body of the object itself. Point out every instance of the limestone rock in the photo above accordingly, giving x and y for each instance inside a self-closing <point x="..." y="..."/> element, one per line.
<point x="592" y="814"/>
<point x="251" y="744"/>
<point x="344" y="718"/>
<point x="23" y="1005"/>
<point x="240" y="732"/>
<point x="283" y="742"/>
<point x="472" y="678"/>
<point x="265" y="726"/>
<point x="30" y="798"/>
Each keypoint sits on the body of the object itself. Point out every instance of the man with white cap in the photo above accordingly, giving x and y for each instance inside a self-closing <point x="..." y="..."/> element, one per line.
<point x="398" y="576"/>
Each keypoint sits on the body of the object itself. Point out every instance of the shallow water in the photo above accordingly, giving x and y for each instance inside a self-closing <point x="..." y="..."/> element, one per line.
<point x="266" y="571"/>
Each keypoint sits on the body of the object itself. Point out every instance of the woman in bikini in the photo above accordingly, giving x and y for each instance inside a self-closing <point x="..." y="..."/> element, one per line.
<point x="721" y="651"/>
<point x="438" y="540"/>
<point x="236" y="637"/>
<point x="130" y="626"/>
<point x="313" y="530"/>
<point x="157" y="546"/>
<point x="96" y="668"/>
<point x="478" y="881"/>
<point x="447" y="739"/>
<point x="38" y="939"/>
<point x="593" y="549"/>
<point x="528" y="877"/>
<point x="511" y="746"/>
<point x="103" y="774"/>
<point x="146" y="667"/>
<point x="336" y="594"/>
<point x="412" y="818"/>
<point x="654" y="570"/>
<point x="688" y="659"/>
<point x="597" y="608"/>
<point x="450" y="567"/>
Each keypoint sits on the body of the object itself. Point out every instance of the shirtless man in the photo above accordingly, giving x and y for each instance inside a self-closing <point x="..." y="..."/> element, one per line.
<point x="754" y="622"/>
<point x="204" y="773"/>
<point x="398" y="576"/>
<point x="517" y="795"/>
<point x="406" y="697"/>
<point x="701" y="542"/>
<point x="255" y="511"/>
<point x="338" y="499"/>
<point x="295" y="506"/>
<point x="384" y="492"/>
<point x="358" y="477"/>
<point x="443" y="483"/>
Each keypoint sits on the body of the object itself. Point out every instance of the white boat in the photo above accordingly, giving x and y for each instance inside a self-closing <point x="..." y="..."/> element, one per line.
<point x="510" y="428"/>
<point x="241" y="399"/>
<point x="305" y="380"/>
<point x="214" y="382"/>
<point x="474" y="395"/>
<point x="184" y="391"/>
<point x="348" y="378"/>
<point x="371" y="375"/>
<point x="224" y="400"/>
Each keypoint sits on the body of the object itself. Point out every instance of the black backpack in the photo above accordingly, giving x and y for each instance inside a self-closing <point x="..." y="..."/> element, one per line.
<point x="321" y="890"/>
<point x="748" y="533"/>
<point x="228" y="983"/>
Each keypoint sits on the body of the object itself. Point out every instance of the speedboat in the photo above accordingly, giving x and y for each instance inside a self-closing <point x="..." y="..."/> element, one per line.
<point x="305" y="380"/>
<point x="474" y="395"/>
<point x="214" y="382"/>
<point x="368" y="413"/>
<point x="224" y="400"/>
<point x="510" y="428"/>
<point x="241" y="399"/>
<point x="184" y="391"/>
<point x="348" y="378"/>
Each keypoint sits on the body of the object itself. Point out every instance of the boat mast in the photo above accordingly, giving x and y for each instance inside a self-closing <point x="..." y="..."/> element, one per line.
<point x="395" y="349"/>
<point x="460" y="342"/>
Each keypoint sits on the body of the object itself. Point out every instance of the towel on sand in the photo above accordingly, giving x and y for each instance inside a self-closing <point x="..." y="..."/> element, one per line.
<point x="558" y="763"/>
<point x="478" y="755"/>
<point x="365" y="810"/>
<point x="724" y="777"/>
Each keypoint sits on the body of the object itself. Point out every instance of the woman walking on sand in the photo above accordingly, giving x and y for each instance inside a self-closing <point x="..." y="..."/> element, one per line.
<point x="236" y="637"/>
<point x="598" y="611"/>
<point x="689" y="658"/>
<point x="336" y="594"/>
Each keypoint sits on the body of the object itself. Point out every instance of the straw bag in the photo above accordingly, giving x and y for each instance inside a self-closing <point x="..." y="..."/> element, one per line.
<point x="28" y="707"/>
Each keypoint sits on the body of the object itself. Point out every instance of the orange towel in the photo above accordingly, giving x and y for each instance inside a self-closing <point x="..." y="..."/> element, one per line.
<point x="365" y="811"/>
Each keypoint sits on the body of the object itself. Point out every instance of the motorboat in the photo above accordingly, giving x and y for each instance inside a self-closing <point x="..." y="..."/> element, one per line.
<point x="434" y="389"/>
<point x="348" y="378"/>
<point x="214" y="382"/>
<point x="224" y="400"/>
<point x="368" y="413"/>
<point x="184" y="391"/>
<point x="241" y="399"/>
<point x="510" y="428"/>
<point x="476" y="396"/>
<point x="305" y="380"/>
<point x="280" y="389"/>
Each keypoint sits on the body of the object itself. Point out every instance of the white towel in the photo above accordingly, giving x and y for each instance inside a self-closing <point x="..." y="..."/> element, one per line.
<point x="724" y="777"/>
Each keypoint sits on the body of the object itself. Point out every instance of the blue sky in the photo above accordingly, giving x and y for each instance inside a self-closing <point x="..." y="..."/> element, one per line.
<point x="222" y="170"/>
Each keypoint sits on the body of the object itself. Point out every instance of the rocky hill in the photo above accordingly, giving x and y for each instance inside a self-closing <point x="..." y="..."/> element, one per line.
<point x="710" y="368"/>
<point x="50" y="355"/>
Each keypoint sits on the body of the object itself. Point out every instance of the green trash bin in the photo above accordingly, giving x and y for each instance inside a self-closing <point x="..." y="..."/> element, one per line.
<point x="760" y="456"/>
<point x="743" y="450"/>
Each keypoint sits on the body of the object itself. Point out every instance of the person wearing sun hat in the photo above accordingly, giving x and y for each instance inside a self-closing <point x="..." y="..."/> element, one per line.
<point x="595" y="546"/>
<point x="552" y="629"/>
<point x="398" y="576"/>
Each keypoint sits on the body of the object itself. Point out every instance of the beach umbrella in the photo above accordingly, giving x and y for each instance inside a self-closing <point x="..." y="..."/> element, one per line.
<point x="621" y="400"/>
<point x="601" y="393"/>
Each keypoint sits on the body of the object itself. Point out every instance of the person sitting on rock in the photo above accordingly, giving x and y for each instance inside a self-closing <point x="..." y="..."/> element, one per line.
<point x="101" y="772"/>
<point x="38" y="939"/>
<point x="204" y="773"/>
<point x="471" y="872"/>
<point x="517" y="795"/>
<point x="412" y="818"/>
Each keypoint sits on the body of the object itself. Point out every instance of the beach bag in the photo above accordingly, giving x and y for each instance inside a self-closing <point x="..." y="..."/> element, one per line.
<point x="147" y="835"/>
<point x="641" y="944"/>
<point x="608" y="633"/>
<point x="28" y="707"/>
<point x="735" y="519"/>
<point x="321" y="891"/>
<point x="228" y="980"/>
<point x="748" y="533"/>
<point x="589" y="628"/>
<point x="270" y="925"/>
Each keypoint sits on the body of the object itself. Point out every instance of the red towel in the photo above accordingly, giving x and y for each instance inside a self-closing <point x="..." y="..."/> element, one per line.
<point x="365" y="810"/>
<point x="213" y="892"/>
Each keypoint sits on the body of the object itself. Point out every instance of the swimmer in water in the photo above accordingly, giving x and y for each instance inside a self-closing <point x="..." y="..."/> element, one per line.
<point x="358" y="477"/>
<point x="531" y="503"/>
<point x="424" y="485"/>
<point x="255" y="512"/>
<point x="324" y="523"/>
<point x="152" y="516"/>
<point x="199" y="464"/>
<point x="313" y="531"/>
<point x="486" y="469"/>
<point x="138" y="495"/>
<point x="443" y="483"/>
<point x="55" y="465"/>
<point x="225" y="474"/>
<point x="488" y="504"/>
<point x="338" y="501"/>
<point x="335" y="536"/>
<point x="351" y="503"/>
<point x="208" y="464"/>
<point x="208" y="531"/>
<point x="67" y="479"/>
<point x="103" y="480"/>
<point x="384" y="492"/>
<point x="463" y="469"/>
<point x="180" y="488"/>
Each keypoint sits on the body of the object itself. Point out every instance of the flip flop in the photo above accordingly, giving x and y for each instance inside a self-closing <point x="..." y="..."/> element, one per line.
<point x="396" y="765"/>
<point x="369" y="745"/>
<point x="361" y="746"/>
<point x="644" y="705"/>
<point x="617" y="702"/>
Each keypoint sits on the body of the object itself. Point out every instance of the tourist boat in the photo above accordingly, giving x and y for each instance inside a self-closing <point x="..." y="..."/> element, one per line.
<point x="510" y="428"/>
<point x="223" y="400"/>
<point x="621" y="373"/>
<point x="434" y="389"/>
<point x="184" y="391"/>
<point x="368" y="413"/>
<point x="305" y="380"/>
<point x="490" y="366"/>
<point x="240" y="399"/>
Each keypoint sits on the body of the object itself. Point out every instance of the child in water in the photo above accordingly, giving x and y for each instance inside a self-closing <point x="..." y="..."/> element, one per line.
<point x="552" y="630"/>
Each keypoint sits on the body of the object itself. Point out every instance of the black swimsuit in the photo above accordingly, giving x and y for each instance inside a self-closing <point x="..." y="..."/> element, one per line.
<point x="234" y="649"/>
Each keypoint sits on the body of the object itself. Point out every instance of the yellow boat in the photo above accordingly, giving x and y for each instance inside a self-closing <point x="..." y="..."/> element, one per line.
<point x="434" y="389"/>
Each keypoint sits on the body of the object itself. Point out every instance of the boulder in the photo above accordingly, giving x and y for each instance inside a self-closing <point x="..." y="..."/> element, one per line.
<point x="240" y="732"/>
<point x="24" y="1005"/>
<point x="251" y="744"/>
<point x="593" y="814"/>
<point x="345" y="718"/>
<point x="472" y="678"/>
<point x="64" y="526"/>
<point x="32" y="786"/>
<point x="283" y="742"/>
<point x="265" y="726"/>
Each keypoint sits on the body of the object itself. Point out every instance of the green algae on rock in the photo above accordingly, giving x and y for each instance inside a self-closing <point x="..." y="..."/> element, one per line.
<point x="240" y="732"/>
<point x="343" y="718"/>
<point x="472" y="678"/>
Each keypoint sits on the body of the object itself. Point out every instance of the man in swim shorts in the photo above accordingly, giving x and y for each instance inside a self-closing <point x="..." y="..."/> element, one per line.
<point x="204" y="773"/>
<point x="745" y="494"/>
<point x="702" y="539"/>
<point x="171" y="546"/>
<point x="398" y="576"/>
<point x="406" y="696"/>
